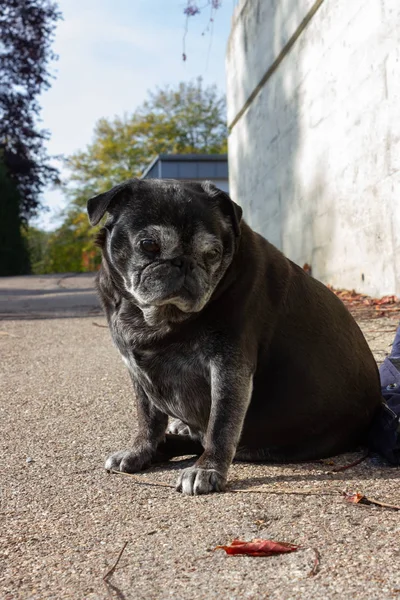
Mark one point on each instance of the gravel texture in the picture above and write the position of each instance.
(66, 402)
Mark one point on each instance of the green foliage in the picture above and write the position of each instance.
(187, 119)
(14, 259)
(36, 242)
(71, 248)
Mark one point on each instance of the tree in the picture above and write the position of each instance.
(26, 33)
(14, 258)
(71, 248)
(187, 119)
(37, 244)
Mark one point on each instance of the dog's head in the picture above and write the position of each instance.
(169, 241)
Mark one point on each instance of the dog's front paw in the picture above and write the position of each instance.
(129, 461)
(195, 481)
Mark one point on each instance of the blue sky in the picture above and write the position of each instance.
(110, 53)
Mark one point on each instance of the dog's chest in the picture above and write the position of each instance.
(176, 379)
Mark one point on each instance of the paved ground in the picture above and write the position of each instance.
(47, 296)
(66, 403)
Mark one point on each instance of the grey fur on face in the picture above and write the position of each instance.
(251, 357)
(183, 274)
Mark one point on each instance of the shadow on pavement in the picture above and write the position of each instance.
(48, 296)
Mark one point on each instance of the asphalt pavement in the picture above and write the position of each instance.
(66, 402)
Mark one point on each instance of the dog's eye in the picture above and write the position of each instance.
(150, 246)
(213, 253)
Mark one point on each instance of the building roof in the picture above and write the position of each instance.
(188, 166)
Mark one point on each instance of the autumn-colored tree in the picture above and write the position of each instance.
(189, 118)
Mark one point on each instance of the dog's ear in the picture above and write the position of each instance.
(98, 205)
(227, 205)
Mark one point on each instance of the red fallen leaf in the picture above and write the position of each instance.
(258, 547)
(354, 498)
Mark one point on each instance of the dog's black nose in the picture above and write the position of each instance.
(183, 262)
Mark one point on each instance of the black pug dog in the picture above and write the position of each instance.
(253, 358)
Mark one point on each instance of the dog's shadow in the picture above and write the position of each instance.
(372, 468)
(368, 470)
(174, 464)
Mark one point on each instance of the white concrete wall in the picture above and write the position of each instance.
(315, 159)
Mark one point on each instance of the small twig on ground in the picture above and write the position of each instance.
(111, 571)
(358, 498)
(99, 325)
(378, 503)
(349, 466)
(316, 565)
(285, 492)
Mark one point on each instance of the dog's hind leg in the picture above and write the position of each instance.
(179, 428)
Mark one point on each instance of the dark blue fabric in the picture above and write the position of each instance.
(396, 345)
(385, 431)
